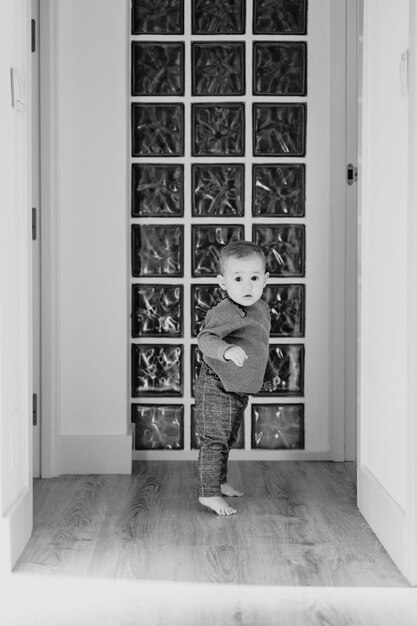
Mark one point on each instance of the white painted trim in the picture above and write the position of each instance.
(410, 568)
(36, 250)
(50, 296)
(383, 514)
(15, 530)
(337, 229)
(351, 229)
(97, 454)
(235, 455)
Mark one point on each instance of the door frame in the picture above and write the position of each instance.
(343, 297)
(344, 233)
(36, 301)
(50, 313)
(351, 229)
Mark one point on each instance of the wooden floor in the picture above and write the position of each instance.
(297, 527)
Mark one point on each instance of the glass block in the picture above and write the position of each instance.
(287, 306)
(207, 242)
(195, 437)
(157, 310)
(157, 250)
(218, 16)
(279, 69)
(218, 68)
(157, 370)
(218, 190)
(279, 129)
(196, 363)
(218, 129)
(278, 190)
(158, 426)
(284, 248)
(165, 17)
(278, 426)
(157, 190)
(280, 17)
(157, 69)
(203, 298)
(157, 130)
(288, 360)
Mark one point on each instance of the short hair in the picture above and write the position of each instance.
(239, 250)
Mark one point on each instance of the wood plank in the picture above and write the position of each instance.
(298, 524)
(66, 526)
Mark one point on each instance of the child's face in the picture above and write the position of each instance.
(244, 279)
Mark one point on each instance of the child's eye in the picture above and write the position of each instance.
(238, 279)
(255, 278)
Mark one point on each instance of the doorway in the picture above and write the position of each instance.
(315, 293)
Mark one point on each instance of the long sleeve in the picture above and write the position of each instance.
(211, 337)
(227, 324)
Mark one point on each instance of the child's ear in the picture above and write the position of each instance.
(221, 281)
(266, 278)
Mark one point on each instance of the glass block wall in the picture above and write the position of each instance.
(218, 153)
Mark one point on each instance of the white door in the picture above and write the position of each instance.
(387, 473)
(263, 159)
(15, 282)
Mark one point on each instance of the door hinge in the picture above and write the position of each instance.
(33, 36)
(35, 409)
(352, 174)
(34, 224)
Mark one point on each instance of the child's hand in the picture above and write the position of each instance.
(271, 385)
(236, 354)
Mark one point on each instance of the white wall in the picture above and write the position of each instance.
(92, 209)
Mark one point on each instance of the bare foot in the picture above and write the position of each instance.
(228, 490)
(218, 505)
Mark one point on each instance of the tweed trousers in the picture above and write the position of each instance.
(218, 415)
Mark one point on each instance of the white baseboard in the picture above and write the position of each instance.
(235, 455)
(15, 530)
(384, 515)
(97, 454)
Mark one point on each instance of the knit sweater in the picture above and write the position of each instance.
(226, 324)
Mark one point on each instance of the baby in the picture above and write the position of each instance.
(235, 345)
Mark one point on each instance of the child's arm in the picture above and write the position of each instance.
(211, 339)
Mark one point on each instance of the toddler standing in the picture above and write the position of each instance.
(235, 345)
